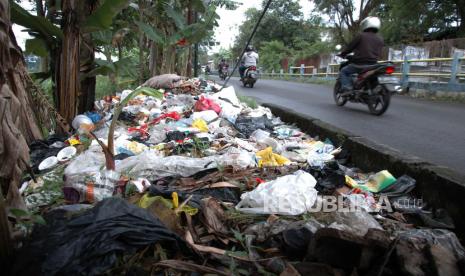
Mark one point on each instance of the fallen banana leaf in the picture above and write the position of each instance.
(213, 217)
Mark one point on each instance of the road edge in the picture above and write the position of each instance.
(438, 185)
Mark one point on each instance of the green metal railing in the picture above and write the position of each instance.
(452, 84)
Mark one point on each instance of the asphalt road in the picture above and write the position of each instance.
(434, 131)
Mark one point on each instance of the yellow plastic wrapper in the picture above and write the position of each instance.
(269, 159)
(73, 142)
(136, 147)
(200, 124)
(146, 200)
(350, 182)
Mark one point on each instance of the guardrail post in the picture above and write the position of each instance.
(281, 72)
(454, 69)
(302, 70)
(314, 72)
(405, 72)
(290, 69)
(328, 70)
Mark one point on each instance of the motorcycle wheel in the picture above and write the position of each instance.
(340, 101)
(379, 103)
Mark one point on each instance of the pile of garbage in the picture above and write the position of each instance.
(187, 178)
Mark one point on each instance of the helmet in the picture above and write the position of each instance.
(370, 22)
(222, 60)
(249, 48)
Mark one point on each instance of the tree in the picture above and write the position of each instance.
(271, 54)
(343, 14)
(406, 21)
(282, 22)
(17, 125)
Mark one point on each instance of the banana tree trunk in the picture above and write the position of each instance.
(17, 126)
(68, 86)
(87, 56)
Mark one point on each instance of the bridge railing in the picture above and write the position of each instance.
(445, 75)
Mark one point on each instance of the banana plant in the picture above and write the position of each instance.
(108, 149)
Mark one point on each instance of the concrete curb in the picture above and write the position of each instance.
(437, 185)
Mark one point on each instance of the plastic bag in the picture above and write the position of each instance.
(247, 125)
(157, 134)
(269, 159)
(92, 242)
(259, 135)
(200, 125)
(375, 183)
(207, 104)
(149, 165)
(403, 185)
(207, 115)
(357, 223)
(90, 187)
(239, 159)
(83, 124)
(292, 194)
(228, 95)
(315, 159)
(445, 238)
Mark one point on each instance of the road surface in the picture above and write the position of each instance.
(434, 131)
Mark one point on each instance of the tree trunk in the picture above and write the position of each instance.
(68, 87)
(461, 13)
(17, 126)
(153, 59)
(190, 20)
(87, 57)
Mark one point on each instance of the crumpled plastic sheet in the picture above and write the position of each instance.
(443, 237)
(90, 243)
(291, 194)
(151, 166)
(247, 125)
(356, 223)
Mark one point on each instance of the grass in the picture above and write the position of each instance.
(250, 102)
(317, 80)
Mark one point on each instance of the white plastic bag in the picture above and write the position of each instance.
(207, 115)
(150, 165)
(292, 194)
(315, 159)
(239, 159)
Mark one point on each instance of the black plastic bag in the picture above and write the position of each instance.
(328, 179)
(403, 185)
(90, 243)
(247, 125)
(42, 149)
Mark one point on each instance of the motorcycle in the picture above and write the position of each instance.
(367, 89)
(250, 76)
(224, 72)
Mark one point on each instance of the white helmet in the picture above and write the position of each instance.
(370, 22)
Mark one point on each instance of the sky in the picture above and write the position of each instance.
(231, 20)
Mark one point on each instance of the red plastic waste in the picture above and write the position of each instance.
(173, 115)
(204, 104)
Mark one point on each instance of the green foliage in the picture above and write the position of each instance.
(102, 18)
(38, 26)
(415, 21)
(271, 54)
(36, 46)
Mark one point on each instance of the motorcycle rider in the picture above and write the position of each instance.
(250, 58)
(221, 65)
(366, 47)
